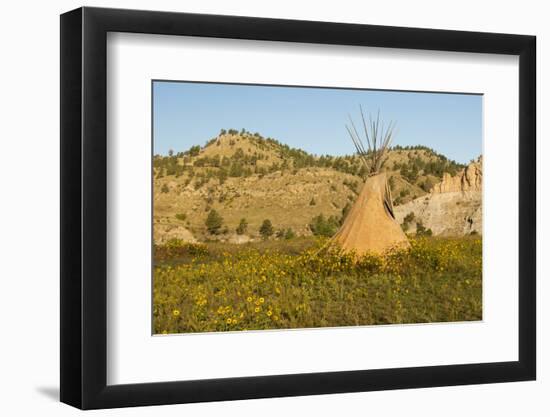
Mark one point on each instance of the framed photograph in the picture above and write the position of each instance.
(258, 208)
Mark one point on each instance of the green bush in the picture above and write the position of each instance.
(289, 234)
(243, 226)
(266, 229)
(177, 248)
(422, 231)
(213, 222)
(320, 226)
(409, 217)
(194, 150)
(345, 212)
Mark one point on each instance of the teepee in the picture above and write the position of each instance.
(370, 226)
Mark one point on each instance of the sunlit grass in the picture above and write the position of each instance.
(291, 284)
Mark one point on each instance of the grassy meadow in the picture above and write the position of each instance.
(284, 284)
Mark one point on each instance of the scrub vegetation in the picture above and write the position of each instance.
(301, 283)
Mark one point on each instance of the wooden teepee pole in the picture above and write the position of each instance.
(378, 137)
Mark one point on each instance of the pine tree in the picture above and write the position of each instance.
(266, 229)
(213, 222)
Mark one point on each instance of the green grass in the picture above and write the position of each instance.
(290, 284)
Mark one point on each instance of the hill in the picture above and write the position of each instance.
(242, 175)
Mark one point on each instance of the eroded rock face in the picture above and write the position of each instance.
(469, 179)
(446, 214)
(453, 207)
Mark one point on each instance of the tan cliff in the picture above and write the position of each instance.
(452, 208)
(469, 179)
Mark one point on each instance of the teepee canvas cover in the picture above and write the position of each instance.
(370, 225)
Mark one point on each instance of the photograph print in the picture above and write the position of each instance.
(289, 207)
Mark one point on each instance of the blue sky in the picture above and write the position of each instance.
(313, 119)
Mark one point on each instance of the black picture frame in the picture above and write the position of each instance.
(84, 207)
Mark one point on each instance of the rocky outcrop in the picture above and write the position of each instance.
(453, 207)
(446, 214)
(469, 179)
(163, 233)
(240, 239)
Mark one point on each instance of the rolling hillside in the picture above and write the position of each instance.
(240, 175)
